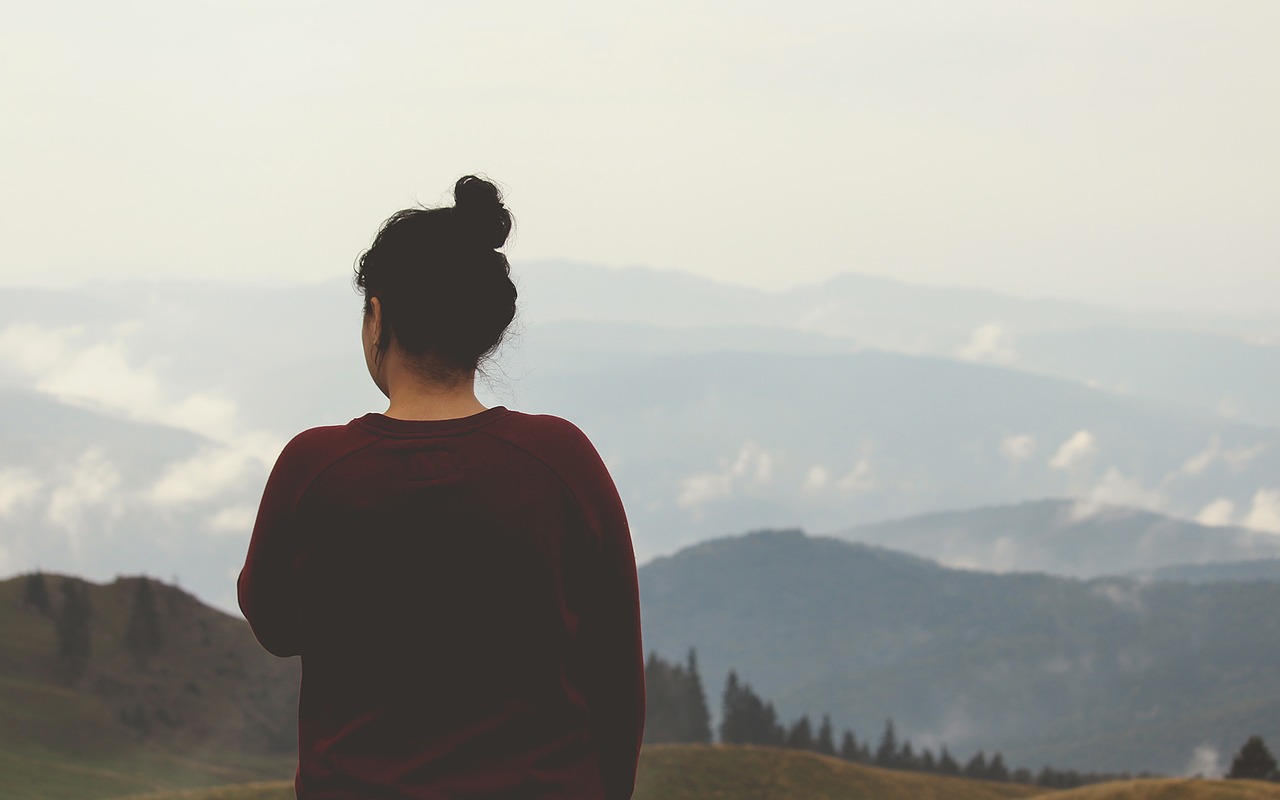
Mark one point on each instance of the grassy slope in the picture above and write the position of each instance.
(201, 713)
(1173, 789)
(691, 772)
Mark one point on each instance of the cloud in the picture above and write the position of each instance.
(18, 487)
(1017, 447)
(1205, 762)
(1236, 458)
(752, 467)
(102, 373)
(989, 343)
(1117, 489)
(1127, 596)
(859, 479)
(817, 479)
(1219, 512)
(234, 520)
(89, 486)
(1265, 513)
(214, 470)
(1075, 452)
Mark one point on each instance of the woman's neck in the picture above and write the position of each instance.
(415, 396)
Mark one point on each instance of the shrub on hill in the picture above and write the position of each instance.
(1254, 762)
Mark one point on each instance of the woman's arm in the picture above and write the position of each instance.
(269, 586)
(609, 633)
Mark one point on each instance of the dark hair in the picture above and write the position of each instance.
(445, 290)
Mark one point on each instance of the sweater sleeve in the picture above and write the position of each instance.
(269, 586)
(609, 632)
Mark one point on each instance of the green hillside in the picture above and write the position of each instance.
(207, 707)
(1109, 675)
(693, 772)
(1174, 789)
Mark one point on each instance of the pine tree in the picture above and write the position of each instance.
(947, 765)
(699, 727)
(800, 736)
(887, 752)
(73, 625)
(907, 756)
(35, 594)
(927, 762)
(996, 770)
(825, 743)
(745, 718)
(142, 634)
(1254, 762)
(977, 766)
(849, 747)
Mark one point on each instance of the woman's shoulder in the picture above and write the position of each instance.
(316, 443)
(544, 435)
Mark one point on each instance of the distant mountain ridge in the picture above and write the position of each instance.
(718, 408)
(1110, 675)
(1067, 537)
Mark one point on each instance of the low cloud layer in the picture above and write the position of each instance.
(752, 467)
(102, 373)
(990, 343)
(1076, 452)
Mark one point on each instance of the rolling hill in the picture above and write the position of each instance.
(208, 707)
(1108, 675)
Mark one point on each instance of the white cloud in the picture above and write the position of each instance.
(1218, 512)
(214, 470)
(102, 373)
(1205, 762)
(859, 479)
(989, 343)
(1017, 447)
(1236, 458)
(89, 486)
(1075, 452)
(1127, 596)
(1117, 489)
(235, 520)
(698, 490)
(1201, 461)
(18, 487)
(1265, 513)
(817, 479)
(752, 467)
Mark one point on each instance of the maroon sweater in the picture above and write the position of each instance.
(463, 596)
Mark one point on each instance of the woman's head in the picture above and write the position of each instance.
(444, 291)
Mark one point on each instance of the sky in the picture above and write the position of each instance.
(1121, 153)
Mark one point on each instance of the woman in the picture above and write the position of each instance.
(459, 580)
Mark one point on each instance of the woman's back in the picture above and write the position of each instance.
(459, 581)
(462, 588)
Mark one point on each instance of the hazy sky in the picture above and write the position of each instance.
(1116, 150)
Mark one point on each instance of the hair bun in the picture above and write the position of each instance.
(481, 214)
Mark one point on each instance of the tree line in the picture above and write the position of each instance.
(72, 619)
(677, 711)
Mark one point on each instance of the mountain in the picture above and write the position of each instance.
(1067, 537)
(703, 444)
(201, 704)
(1265, 569)
(1105, 675)
(718, 408)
